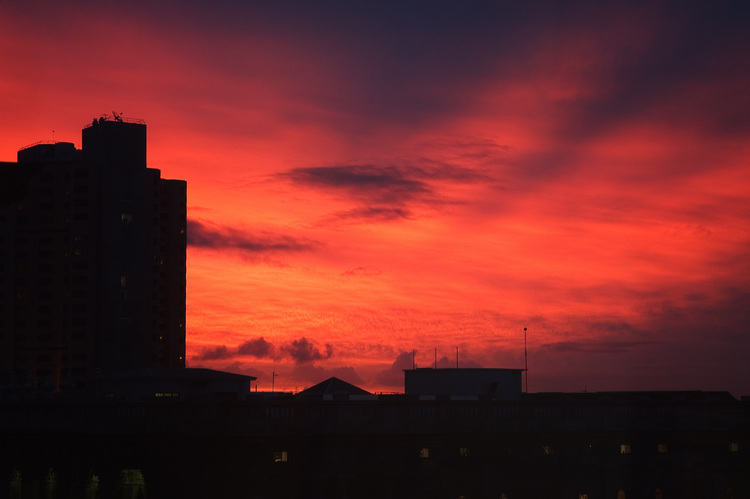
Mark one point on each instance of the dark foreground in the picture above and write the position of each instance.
(689, 445)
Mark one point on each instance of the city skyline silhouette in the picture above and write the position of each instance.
(368, 182)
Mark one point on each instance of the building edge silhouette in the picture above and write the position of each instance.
(93, 260)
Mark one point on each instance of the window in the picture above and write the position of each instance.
(424, 453)
(734, 447)
(280, 456)
(662, 448)
(625, 449)
(547, 450)
(463, 452)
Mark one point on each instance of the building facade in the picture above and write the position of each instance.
(92, 260)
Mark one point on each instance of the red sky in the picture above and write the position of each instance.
(366, 179)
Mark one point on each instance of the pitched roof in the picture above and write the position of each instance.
(334, 386)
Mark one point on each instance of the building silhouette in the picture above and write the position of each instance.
(92, 260)
(206, 434)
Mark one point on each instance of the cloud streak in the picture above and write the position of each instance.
(202, 235)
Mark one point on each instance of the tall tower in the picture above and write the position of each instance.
(93, 259)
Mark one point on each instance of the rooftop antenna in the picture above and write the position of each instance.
(273, 379)
(413, 359)
(117, 116)
(456, 357)
(435, 358)
(53, 136)
(525, 360)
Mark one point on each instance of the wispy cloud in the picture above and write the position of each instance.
(374, 214)
(362, 271)
(385, 185)
(202, 235)
(387, 193)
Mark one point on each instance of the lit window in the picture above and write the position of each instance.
(734, 447)
(127, 218)
(662, 448)
(123, 280)
(463, 452)
(280, 456)
(547, 450)
(625, 449)
(424, 452)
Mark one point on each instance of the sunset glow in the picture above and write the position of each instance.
(371, 179)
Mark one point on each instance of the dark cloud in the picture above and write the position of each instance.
(302, 351)
(381, 184)
(258, 347)
(214, 353)
(203, 236)
(386, 193)
(375, 214)
(394, 375)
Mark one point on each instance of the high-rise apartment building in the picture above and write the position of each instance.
(92, 260)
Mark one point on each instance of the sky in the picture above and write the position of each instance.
(378, 185)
